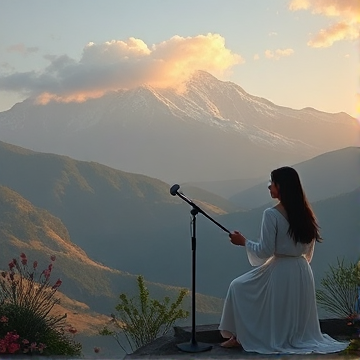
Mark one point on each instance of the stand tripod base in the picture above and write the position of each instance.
(194, 347)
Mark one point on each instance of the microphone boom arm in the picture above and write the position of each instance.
(174, 191)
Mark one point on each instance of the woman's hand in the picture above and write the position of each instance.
(237, 239)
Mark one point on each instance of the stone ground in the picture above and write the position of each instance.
(165, 347)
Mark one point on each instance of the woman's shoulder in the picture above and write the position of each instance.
(275, 212)
(269, 212)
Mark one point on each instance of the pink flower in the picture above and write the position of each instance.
(72, 330)
(11, 336)
(4, 319)
(25, 341)
(11, 265)
(53, 257)
(50, 267)
(57, 284)
(13, 347)
(33, 346)
(24, 261)
(35, 264)
(96, 349)
(23, 256)
(46, 274)
(41, 347)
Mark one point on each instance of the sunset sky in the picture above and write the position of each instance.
(296, 53)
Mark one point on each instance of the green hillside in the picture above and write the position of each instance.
(323, 176)
(37, 233)
(131, 223)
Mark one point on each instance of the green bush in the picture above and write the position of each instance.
(340, 289)
(142, 319)
(341, 296)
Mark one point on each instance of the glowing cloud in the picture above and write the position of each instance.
(124, 64)
(347, 28)
(277, 54)
(339, 31)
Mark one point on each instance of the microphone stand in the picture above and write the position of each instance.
(193, 346)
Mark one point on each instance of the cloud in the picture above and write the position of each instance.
(346, 28)
(120, 64)
(22, 49)
(278, 53)
(336, 32)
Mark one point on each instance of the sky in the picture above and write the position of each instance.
(295, 53)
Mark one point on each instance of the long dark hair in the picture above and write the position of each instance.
(303, 226)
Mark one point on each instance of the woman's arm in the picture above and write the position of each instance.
(259, 252)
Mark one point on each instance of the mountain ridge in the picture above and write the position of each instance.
(37, 233)
(132, 226)
(314, 173)
(167, 133)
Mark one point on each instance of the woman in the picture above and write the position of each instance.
(272, 309)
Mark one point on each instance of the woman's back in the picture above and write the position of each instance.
(285, 244)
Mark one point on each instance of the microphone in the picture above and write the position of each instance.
(174, 189)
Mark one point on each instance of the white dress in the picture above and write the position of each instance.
(272, 308)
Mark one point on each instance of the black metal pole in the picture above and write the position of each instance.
(193, 346)
(193, 282)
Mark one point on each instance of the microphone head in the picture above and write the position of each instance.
(174, 189)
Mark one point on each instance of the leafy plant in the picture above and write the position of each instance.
(27, 320)
(142, 319)
(340, 292)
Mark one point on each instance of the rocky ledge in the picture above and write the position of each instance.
(165, 347)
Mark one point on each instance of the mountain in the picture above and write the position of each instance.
(227, 188)
(131, 223)
(89, 290)
(90, 285)
(208, 201)
(323, 176)
(106, 211)
(210, 130)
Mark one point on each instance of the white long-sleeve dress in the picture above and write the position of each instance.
(272, 308)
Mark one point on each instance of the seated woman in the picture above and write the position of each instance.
(272, 308)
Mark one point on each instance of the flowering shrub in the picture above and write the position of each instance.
(11, 344)
(27, 322)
